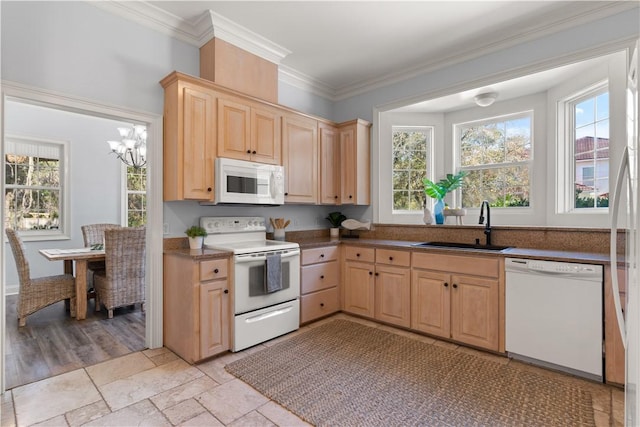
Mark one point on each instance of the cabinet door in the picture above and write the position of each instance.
(300, 154)
(266, 140)
(234, 129)
(431, 303)
(329, 165)
(393, 295)
(474, 311)
(198, 144)
(348, 169)
(613, 348)
(214, 318)
(359, 288)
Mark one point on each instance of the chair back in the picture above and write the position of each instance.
(93, 234)
(125, 252)
(22, 264)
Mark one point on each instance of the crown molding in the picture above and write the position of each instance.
(543, 27)
(211, 24)
(305, 82)
(207, 26)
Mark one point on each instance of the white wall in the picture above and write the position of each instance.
(541, 53)
(76, 48)
(95, 176)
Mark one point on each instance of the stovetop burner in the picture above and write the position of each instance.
(241, 235)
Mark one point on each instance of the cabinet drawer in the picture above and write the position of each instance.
(473, 265)
(318, 304)
(393, 257)
(358, 253)
(319, 276)
(213, 269)
(313, 256)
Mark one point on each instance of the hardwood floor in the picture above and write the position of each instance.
(53, 343)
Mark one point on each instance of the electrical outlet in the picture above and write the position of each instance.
(165, 228)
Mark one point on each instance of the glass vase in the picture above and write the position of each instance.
(438, 213)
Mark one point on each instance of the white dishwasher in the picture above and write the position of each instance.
(554, 315)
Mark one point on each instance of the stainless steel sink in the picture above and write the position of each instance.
(453, 245)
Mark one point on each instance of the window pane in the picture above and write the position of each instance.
(484, 148)
(585, 112)
(33, 193)
(410, 148)
(136, 196)
(591, 152)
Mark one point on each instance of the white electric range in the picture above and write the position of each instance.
(259, 315)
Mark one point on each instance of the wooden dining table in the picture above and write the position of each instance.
(81, 257)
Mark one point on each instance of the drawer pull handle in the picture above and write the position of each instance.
(216, 271)
(357, 255)
(322, 277)
(455, 286)
(248, 151)
(371, 273)
(321, 304)
(446, 285)
(377, 274)
(209, 189)
(321, 255)
(390, 258)
(226, 291)
(253, 152)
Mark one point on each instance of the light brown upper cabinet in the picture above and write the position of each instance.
(329, 164)
(355, 174)
(247, 131)
(189, 140)
(300, 158)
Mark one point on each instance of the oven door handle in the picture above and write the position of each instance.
(269, 314)
(251, 258)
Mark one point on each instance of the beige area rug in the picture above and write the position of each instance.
(343, 373)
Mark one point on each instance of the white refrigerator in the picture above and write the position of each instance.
(624, 213)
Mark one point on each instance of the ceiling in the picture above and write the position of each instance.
(341, 48)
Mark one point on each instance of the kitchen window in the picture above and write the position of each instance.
(411, 153)
(35, 181)
(497, 155)
(588, 143)
(135, 196)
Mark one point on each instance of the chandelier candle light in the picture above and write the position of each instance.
(132, 150)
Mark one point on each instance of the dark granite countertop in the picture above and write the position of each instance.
(543, 254)
(198, 254)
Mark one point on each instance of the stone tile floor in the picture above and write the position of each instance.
(157, 388)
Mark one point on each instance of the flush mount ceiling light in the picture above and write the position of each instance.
(485, 99)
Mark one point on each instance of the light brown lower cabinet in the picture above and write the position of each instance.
(377, 284)
(196, 306)
(457, 297)
(613, 347)
(319, 282)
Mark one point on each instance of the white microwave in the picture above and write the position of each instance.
(239, 181)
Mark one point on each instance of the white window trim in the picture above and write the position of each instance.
(557, 214)
(429, 162)
(534, 214)
(383, 168)
(566, 172)
(62, 233)
(530, 113)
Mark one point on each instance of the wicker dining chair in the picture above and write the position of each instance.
(122, 281)
(42, 291)
(93, 234)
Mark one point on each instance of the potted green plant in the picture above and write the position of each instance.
(438, 190)
(335, 218)
(196, 236)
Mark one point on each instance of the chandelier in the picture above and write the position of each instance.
(132, 150)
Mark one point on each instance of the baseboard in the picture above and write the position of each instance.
(11, 290)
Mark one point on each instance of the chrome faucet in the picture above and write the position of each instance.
(487, 228)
